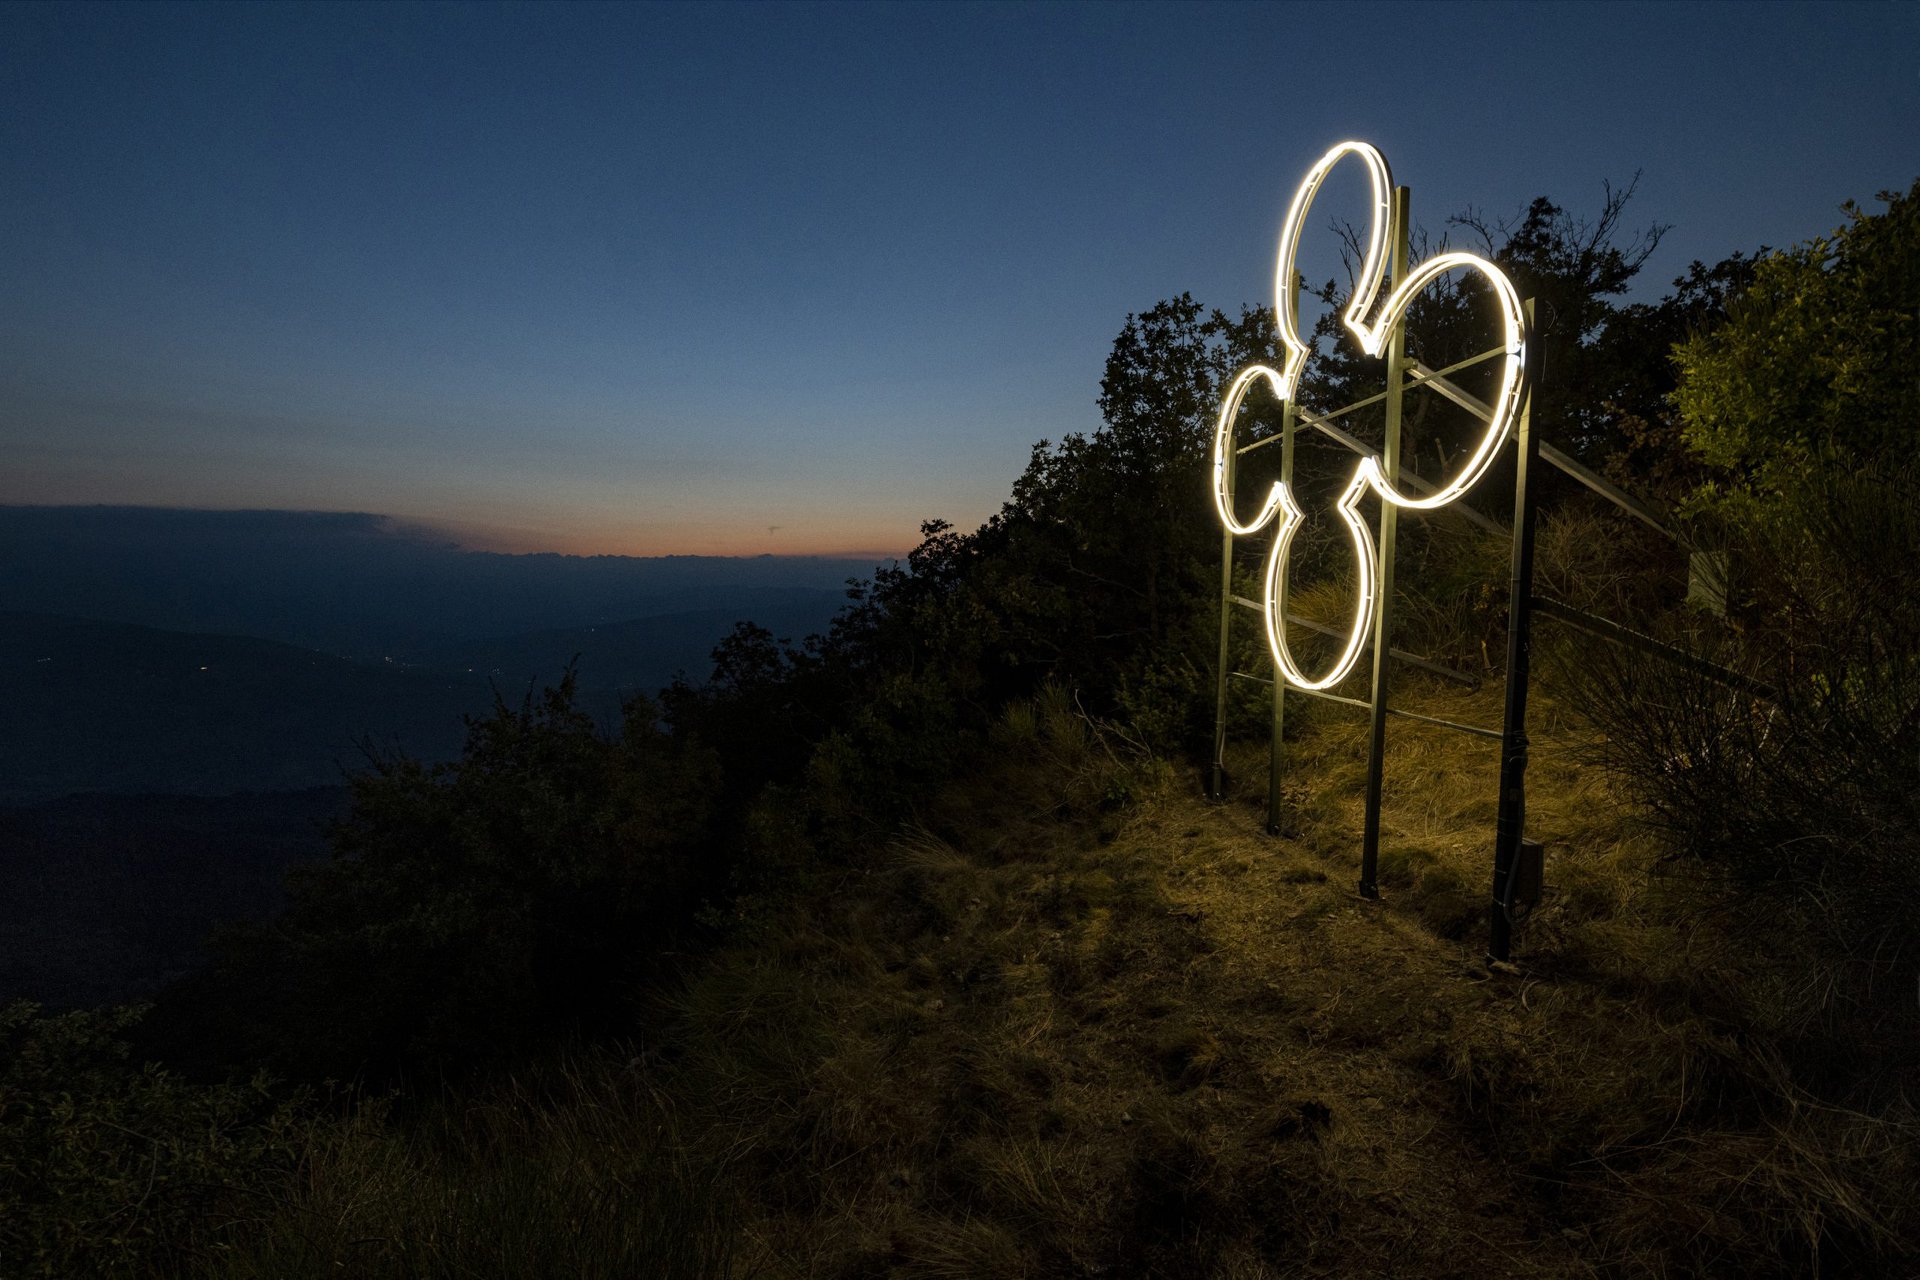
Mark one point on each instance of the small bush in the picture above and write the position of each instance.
(1793, 785)
(471, 909)
(112, 1169)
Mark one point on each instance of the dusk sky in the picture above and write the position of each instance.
(730, 280)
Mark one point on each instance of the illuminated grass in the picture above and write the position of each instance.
(1060, 1038)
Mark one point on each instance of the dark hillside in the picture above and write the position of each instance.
(913, 950)
(103, 898)
(1079, 1021)
(638, 656)
(100, 706)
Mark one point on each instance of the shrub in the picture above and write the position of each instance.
(111, 1169)
(471, 909)
(1796, 787)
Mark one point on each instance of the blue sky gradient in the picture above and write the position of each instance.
(732, 280)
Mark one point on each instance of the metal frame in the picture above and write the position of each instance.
(1404, 375)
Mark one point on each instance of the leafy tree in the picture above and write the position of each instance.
(1815, 365)
(1608, 372)
(475, 907)
(896, 678)
(1113, 525)
(1650, 456)
(1574, 268)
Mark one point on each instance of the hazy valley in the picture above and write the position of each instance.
(188, 691)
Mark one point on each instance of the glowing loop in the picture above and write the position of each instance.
(1368, 473)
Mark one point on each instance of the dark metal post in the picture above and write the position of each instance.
(1217, 787)
(1511, 820)
(1275, 824)
(1389, 531)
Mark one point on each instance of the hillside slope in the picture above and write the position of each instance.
(1078, 1021)
(107, 706)
(1057, 1035)
(640, 655)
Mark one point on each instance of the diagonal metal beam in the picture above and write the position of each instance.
(1407, 477)
(1344, 701)
(1611, 492)
(1626, 637)
(1378, 396)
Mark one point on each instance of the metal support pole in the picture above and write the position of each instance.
(1217, 784)
(1275, 824)
(1389, 529)
(1511, 820)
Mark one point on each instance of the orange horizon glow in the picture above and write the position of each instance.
(523, 542)
(723, 540)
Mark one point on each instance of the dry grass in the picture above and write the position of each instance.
(1080, 1022)
(574, 1170)
(1058, 1035)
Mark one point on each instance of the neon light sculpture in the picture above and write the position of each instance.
(1368, 472)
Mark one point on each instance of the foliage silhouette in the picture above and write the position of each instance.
(1799, 805)
(471, 909)
(1814, 366)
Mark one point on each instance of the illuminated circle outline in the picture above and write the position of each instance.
(1363, 558)
(1368, 473)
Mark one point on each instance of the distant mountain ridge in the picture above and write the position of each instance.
(356, 584)
(638, 656)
